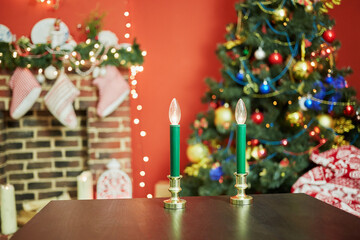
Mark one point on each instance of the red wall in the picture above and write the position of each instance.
(180, 38)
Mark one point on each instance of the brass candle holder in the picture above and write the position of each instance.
(174, 202)
(241, 198)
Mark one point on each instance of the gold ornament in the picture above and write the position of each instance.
(197, 152)
(309, 8)
(302, 69)
(296, 118)
(223, 116)
(325, 120)
(193, 170)
(342, 125)
(279, 14)
(339, 141)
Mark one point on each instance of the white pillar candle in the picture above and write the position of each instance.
(8, 209)
(85, 186)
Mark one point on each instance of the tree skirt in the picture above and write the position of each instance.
(336, 181)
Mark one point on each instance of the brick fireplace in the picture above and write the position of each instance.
(42, 158)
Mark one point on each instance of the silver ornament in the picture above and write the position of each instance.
(302, 103)
(51, 72)
(40, 77)
(259, 54)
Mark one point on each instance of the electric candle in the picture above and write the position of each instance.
(240, 116)
(8, 209)
(85, 186)
(174, 116)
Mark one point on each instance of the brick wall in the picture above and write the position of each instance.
(42, 158)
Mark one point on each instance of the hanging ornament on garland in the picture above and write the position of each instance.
(51, 72)
(296, 118)
(302, 103)
(308, 103)
(329, 35)
(279, 14)
(325, 120)
(309, 8)
(302, 68)
(349, 111)
(260, 54)
(329, 79)
(261, 152)
(255, 142)
(264, 88)
(257, 117)
(197, 152)
(216, 172)
(275, 58)
(240, 75)
(223, 117)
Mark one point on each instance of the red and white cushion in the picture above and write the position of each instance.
(60, 98)
(336, 181)
(113, 89)
(25, 91)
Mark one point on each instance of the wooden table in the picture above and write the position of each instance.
(277, 216)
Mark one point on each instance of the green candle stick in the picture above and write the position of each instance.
(174, 150)
(174, 116)
(240, 116)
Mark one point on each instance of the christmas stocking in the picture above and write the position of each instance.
(113, 89)
(25, 92)
(60, 98)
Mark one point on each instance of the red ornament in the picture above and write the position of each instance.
(284, 142)
(329, 36)
(275, 58)
(349, 110)
(257, 117)
(284, 162)
(254, 142)
(213, 105)
(262, 153)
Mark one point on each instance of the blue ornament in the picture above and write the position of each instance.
(240, 75)
(264, 88)
(216, 173)
(339, 82)
(308, 103)
(329, 79)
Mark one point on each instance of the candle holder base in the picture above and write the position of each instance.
(241, 198)
(174, 202)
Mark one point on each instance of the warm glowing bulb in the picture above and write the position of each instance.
(105, 57)
(142, 173)
(116, 55)
(136, 121)
(128, 25)
(146, 159)
(82, 62)
(113, 50)
(127, 35)
(174, 112)
(88, 41)
(69, 69)
(91, 53)
(126, 14)
(142, 184)
(138, 107)
(149, 195)
(143, 133)
(144, 53)
(240, 112)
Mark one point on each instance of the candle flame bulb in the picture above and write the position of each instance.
(174, 112)
(240, 112)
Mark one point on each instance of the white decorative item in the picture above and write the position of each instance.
(5, 34)
(8, 209)
(85, 186)
(40, 77)
(114, 183)
(103, 71)
(108, 38)
(96, 72)
(51, 72)
(44, 31)
(124, 45)
(260, 54)
(69, 46)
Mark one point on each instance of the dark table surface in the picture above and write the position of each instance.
(275, 216)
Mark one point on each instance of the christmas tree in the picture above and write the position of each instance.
(279, 57)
